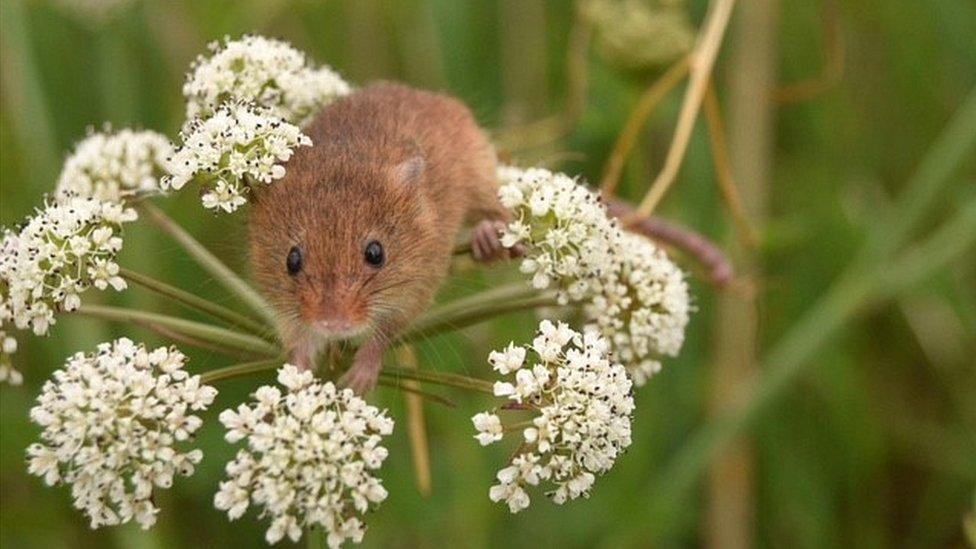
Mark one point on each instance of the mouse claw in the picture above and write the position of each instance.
(486, 243)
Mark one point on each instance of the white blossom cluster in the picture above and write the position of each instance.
(8, 344)
(584, 407)
(268, 72)
(310, 458)
(112, 166)
(115, 422)
(643, 308)
(240, 144)
(59, 253)
(568, 238)
(631, 292)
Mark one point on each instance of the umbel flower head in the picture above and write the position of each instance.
(310, 458)
(239, 145)
(568, 237)
(112, 166)
(8, 345)
(642, 307)
(583, 406)
(60, 252)
(116, 424)
(268, 72)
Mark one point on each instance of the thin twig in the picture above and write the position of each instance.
(425, 395)
(835, 47)
(195, 302)
(416, 423)
(702, 61)
(209, 262)
(238, 370)
(635, 121)
(699, 248)
(723, 168)
(200, 330)
(179, 337)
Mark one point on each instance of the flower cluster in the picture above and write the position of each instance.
(111, 166)
(569, 239)
(584, 407)
(114, 423)
(267, 72)
(239, 144)
(643, 308)
(62, 250)
(310, 458)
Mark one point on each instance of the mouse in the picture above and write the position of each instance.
(355, 239)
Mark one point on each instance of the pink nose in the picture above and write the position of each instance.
(335, 325)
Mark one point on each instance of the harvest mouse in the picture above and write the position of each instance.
(358, 235)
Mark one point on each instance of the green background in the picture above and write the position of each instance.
(872, 445)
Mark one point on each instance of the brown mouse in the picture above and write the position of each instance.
(358, 235)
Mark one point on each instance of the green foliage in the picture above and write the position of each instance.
(871, 441)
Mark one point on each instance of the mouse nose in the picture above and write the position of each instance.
(335, 325)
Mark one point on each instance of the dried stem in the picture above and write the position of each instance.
(723, 168)
(635, 121)
(416, 423)
(702, 61)
(830, 75)
(699, 248)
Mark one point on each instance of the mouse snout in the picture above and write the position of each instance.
(334, 314)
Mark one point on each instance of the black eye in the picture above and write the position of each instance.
(374, 254)
(294, 260)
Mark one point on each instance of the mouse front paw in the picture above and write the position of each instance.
(486, 243)
(365, 370)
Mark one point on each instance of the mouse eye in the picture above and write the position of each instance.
(294, 260)
(374, 254)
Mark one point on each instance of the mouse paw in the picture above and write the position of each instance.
(486, 243)
(364, 372)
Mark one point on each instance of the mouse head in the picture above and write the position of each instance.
(339, 246)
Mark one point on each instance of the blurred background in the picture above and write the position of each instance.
(825, 398)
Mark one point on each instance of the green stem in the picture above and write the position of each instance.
(209, 262)
(196, 302)
(238, 370)
(479, 307)
(395, 384)
(438, 378)
(199, 330)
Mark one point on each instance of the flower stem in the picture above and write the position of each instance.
(471, 310)
(438, 378)
(242, 369)
(395, 384)
(206, 332)
(195, 302)
(209, 262)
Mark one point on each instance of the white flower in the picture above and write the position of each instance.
(113, 422)
(8, 346)
(489, 428)
(642, 307)
(111, 166)
(271, 73)
(59, 253)
(583, 404)
(568, 237)
(310, 458)
(239, 145)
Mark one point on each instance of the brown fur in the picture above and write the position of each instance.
(349, 188)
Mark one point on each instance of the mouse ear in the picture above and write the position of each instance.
(410, 171)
